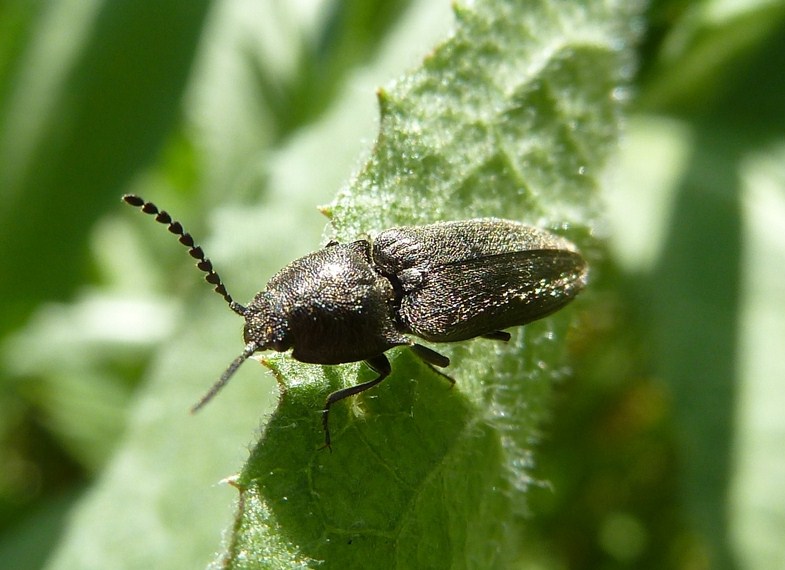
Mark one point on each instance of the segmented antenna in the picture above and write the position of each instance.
(188, 241)
(248, 351)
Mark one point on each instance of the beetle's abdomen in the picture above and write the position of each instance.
(460, 280)
(463, 300)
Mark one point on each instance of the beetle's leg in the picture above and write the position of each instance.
(430, 356)
(378, 363)
(497, 335)
(432, 359)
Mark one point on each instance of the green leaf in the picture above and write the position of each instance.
(513, 116)
(756, 495)
(703, 226)
(704, 291)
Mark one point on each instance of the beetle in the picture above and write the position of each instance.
(442, 282)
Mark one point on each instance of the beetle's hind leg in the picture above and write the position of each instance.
(432, 359)
(497, 335)
(378, 363)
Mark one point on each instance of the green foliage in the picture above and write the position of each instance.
(663, 445)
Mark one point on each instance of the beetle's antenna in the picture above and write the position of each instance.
(196, 252)
(249, 349)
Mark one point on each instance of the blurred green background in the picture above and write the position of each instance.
(666, 447)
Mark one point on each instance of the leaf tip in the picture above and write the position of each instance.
(326, 210)
(384, 99)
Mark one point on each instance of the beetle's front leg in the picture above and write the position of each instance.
(381, 365)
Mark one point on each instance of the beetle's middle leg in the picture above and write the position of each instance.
(497, 335)
(432, 359)
(378, 363)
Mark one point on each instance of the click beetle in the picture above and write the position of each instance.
(442, 282)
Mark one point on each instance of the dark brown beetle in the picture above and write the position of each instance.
(443, 282)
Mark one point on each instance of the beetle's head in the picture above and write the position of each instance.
(266, 326)
(265, 329)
